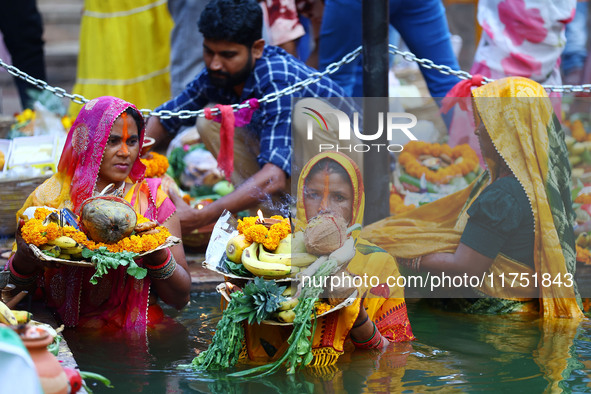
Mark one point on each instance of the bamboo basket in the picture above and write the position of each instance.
(198, 239)
(13, 194)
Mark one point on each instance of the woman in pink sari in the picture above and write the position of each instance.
(102, 148)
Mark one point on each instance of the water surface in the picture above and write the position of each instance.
(453, 353)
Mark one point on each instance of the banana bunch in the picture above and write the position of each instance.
(261, 262)
(285, 312)
(6, 315)
(63, 247)
(254, 265)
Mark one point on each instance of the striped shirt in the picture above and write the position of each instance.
(271, 123)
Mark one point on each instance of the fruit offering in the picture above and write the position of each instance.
(107, 219)
(268, 252)
(55, 237)
(325, 233)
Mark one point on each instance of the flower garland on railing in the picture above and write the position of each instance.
(462, 160)
(156, 166)
(36, 233)
(269, 237)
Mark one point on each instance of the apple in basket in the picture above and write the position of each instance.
(107, 219)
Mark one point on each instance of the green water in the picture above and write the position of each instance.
(452, 353)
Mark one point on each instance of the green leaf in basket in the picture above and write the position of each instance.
(105, 260)
(237, 269)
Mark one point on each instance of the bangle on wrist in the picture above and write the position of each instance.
(362, 323)
(155, 267)
(374, 342)
(20, 279)
(415, 264)
(164, 270)
(375, 329)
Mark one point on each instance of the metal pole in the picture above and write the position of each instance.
(376, 164)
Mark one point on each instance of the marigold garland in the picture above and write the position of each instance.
(322, 307)
(463, 156)
(254, 232)
(36, 233)
(155, 166)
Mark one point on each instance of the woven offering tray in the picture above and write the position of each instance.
(170, 241)
(221, 288)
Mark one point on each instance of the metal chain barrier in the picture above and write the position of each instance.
(185, 114)
(315, 77)
(429, 64)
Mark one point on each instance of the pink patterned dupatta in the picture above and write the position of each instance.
(118, 301)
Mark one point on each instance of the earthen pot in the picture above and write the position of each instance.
(51, 374)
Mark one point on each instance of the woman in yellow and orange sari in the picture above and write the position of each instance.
(519, 226)
(379, 315)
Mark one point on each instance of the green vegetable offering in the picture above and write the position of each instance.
(299, 352)
(105, 260)
(254, 303)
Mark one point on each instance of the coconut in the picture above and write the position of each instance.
(325, 233)
(107, 219)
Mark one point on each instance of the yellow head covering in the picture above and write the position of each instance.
(519, 119)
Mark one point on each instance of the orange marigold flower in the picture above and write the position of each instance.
(256, 233)
(466, 161)
(246, 222)
(41, 213)
(271, 241)
(280, 229)
(156, 166)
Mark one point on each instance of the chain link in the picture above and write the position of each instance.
(271, 97)
(185, 114)
(429, 64)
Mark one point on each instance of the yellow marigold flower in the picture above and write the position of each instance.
(52, 231)
(271, 241)
(33, 232)
(256, 233)
(408, 159)
(41, 213)
(141, 219)
(280, 229)
(246, 222)
(155, 166)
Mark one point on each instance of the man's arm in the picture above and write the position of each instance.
(267, 181)
(155, 130)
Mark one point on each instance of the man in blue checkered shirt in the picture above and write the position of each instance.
(239, 67)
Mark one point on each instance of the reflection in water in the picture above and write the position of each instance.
(453, 353)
